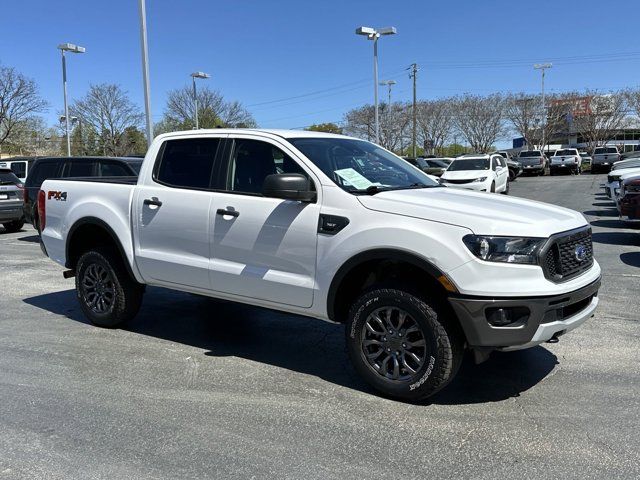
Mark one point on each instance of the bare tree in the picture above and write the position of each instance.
(602, 118)
(479, 119)
(394, 122)
(632, 97)
(213, 110)
(19, 100)
(109, 111)
(360, 122)
(524, 112)
(435, 122)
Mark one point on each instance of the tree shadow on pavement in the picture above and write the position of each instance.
(611, 212)
(631, 258)
(300, 344)
(616, 238)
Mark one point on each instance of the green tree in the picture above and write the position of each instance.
(325, 127)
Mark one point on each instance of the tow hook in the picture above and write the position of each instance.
(69, 273)
(555, 338)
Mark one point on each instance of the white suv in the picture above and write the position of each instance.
(483, 173)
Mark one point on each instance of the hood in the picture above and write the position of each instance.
(482, 213)
(625, 172)
(463, 174)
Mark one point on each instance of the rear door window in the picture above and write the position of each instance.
(43, 171)
(187, 163)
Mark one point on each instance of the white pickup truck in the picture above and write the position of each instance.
(567, 160)
(329, 227)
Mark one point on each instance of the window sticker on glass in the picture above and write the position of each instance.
(354, 178)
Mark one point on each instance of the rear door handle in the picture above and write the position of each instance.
(152, 201)
(222, 211)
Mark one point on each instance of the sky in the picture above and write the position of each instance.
(296, 63)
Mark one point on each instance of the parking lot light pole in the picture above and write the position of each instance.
(145, 69)
(195, 75)
(67, 47)
(373, 34)
(389, 84)
(543, 67)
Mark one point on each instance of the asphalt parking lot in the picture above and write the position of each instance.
(199, 388)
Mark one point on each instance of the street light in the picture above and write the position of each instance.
(67, 47)
(543, 67)
(373, 34)
(389, 84)
(195, 75)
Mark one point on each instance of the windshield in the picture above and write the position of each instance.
(8, 178)
(605, 150)
(531, 153)
(360, 167)
(469, 164)
(568, 151)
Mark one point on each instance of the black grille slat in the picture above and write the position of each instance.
(560, 262)
(457, 182)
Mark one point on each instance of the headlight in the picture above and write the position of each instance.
(481, 179)
(505, 249)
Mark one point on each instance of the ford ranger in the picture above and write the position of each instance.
(331, 227)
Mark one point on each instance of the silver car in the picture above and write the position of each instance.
(11, 193)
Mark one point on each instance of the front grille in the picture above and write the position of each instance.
(560, 259)
(457, 182)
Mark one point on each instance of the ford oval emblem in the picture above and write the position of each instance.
(580, 253)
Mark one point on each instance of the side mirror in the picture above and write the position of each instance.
(288, 186)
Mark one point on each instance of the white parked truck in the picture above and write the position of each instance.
(329, 227)
(567, 160)
(603, 158)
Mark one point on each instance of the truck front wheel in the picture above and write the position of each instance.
(107, 294)
(401, 345)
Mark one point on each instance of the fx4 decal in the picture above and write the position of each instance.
(59, 196)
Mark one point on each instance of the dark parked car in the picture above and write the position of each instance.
(630, 199)
(11, 215)
(66, 167)
(515, 167)
(432, 166)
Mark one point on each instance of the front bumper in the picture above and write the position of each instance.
(475, 186)
(549, 316)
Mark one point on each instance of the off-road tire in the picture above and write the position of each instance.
(442, 354)
(127, 293)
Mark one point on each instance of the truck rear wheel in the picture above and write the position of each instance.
(401, 345)
(106, 292)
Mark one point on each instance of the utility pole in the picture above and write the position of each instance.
(543, 67)
(413, 75)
